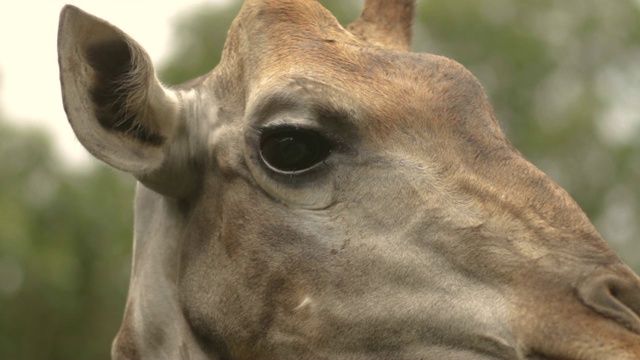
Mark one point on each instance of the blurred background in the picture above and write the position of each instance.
(563, 76)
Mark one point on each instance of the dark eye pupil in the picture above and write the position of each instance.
(293, 149)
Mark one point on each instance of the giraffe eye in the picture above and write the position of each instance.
(291, 150)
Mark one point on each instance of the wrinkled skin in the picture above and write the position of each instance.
(423, 234)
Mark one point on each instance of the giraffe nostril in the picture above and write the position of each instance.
(613, 297)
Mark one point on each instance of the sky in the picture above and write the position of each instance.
(29, 82)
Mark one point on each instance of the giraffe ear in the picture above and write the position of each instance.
(116, 106)
(386, 23)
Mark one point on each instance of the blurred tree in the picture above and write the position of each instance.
(65, 240)
(198, 40)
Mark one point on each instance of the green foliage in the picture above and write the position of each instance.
(65, 240)
(198, 42)
(560, 73)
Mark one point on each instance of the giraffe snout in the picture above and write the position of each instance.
(615, 297)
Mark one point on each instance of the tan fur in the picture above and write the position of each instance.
(386, 24)
(423, 235)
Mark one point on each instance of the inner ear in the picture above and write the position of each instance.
(118, 91)
(116, 106)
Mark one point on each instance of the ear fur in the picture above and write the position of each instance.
(116, 106)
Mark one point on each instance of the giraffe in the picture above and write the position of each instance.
(325, 193)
